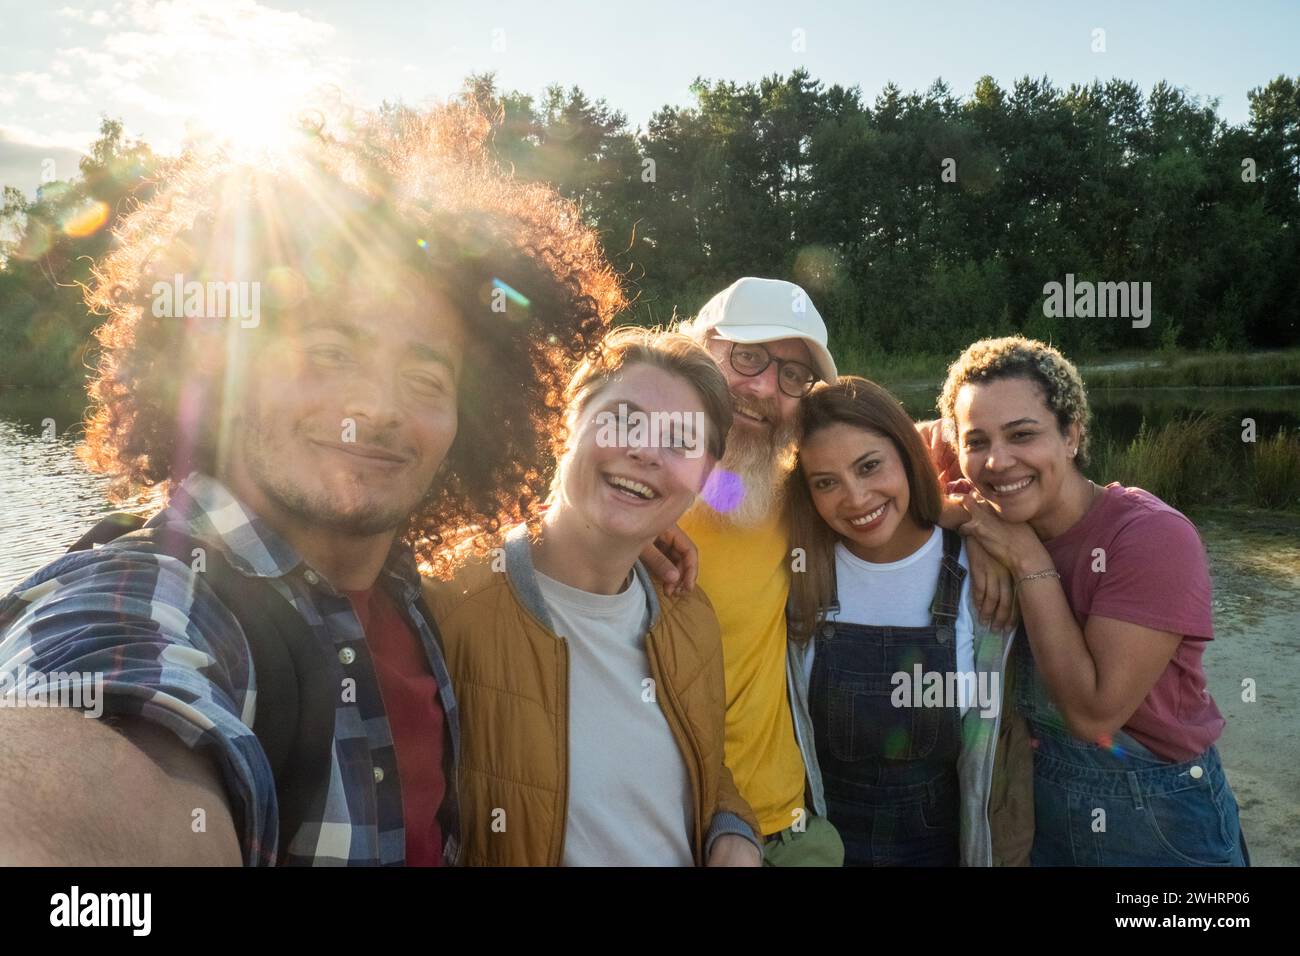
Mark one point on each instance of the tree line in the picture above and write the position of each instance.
(917, 221)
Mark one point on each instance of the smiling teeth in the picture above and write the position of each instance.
(1007, 489)
(747, 410)
(866, 519)
(644, 491)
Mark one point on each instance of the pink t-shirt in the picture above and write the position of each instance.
(1156, 575)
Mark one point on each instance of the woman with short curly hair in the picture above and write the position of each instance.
(1114, 590)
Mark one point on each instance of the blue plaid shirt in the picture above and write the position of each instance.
(171, 652)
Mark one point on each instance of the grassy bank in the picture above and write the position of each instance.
(1189, 452)
(1195, 369)
(1119, 370)
(1202, 460)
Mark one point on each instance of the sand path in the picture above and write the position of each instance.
(1255, 559)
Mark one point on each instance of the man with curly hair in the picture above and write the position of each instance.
(313, 456)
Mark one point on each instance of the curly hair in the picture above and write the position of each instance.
(1018, 357)
(403, 194)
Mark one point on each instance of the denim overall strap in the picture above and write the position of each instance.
(832, 608)
(947, 596)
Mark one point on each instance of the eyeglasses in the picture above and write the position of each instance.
(793, 378)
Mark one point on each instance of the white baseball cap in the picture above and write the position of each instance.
(764, 310)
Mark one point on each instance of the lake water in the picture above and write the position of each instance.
(48, 499)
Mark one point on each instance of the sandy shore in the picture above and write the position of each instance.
(1255, 559)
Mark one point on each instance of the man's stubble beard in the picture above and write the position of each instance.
(312, 509)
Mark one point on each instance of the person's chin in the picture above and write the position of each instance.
(619, 525)
(345, 505)
(749, 429)
(341, 487)
(363, 481)
(365, 519)
(1016, 512)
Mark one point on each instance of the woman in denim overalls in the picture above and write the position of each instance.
(906, 781)
(1114, 591)
(890, 773)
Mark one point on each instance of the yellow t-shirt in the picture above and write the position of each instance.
(746, 575)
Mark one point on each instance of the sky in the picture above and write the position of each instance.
(168, 67)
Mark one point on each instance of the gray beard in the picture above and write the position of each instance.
(763, 463)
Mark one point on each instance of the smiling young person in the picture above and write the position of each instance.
(310, 459)
(883, 608)
(592, 702)
(1115, 592)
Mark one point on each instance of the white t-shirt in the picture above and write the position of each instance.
(899, 594)
(630, 800)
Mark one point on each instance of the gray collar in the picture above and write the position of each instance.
(523, 576)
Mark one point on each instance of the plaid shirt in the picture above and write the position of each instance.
(170, 652)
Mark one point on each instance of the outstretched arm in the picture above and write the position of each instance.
(79, 792)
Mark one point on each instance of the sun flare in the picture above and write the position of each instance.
(252, 116)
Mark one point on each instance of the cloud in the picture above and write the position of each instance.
(191, 60)
(95, 18)
(25, 155)
(46, 88)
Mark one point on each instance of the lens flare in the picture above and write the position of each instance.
(518, 298)
(86, 219)
(1106, 742)
(723, 491)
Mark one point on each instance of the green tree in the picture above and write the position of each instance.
(45, 330)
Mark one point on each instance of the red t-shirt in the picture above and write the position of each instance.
(415, 719)
(1156, 575)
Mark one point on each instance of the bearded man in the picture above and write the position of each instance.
(770, 342)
